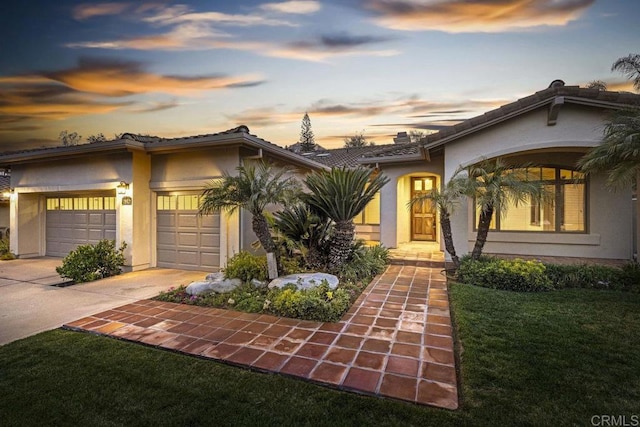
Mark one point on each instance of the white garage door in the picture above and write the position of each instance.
(75, 221)
(186, 240)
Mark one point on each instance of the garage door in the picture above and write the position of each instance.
(186, 240)
(75, 221)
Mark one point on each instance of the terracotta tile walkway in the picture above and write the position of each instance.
(395, 341)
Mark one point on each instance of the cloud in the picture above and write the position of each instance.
(90, 10)
(122, 78)
(463, 16)
(90, 87)
(293, 7)
(328, 46)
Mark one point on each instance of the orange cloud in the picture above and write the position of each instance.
(82, 90)
(114, 79)
(458, 16)
(89, 10)
(293, 7)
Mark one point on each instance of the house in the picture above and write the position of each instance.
(138, 189)
(551, 129)
(144, 190)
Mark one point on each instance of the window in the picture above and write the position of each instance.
(181, 202)
(81, 203)
(563, 211)
(370, 215)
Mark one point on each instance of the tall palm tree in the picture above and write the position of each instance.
(341, 194)
(256, 186)
(495, 186)
(446, 200)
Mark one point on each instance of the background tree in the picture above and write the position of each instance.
(67, 138)
(494, 185)
(357, 140)
(446, 200)
(597, 84)
(416, 135)
(96, 138)
(254, 188)
(307, 140)
(341, 194)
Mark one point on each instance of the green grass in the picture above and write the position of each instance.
(554, 358)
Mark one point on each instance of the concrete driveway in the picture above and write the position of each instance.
(30, 304)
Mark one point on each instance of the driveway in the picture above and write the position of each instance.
(29, 304)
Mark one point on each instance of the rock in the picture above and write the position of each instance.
(257, 283)
(305, 280)
(208, 286)
(215, 276)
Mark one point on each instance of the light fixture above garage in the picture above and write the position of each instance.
(122, 187)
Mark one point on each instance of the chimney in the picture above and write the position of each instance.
(402, 138)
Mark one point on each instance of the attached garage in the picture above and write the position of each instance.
(78, 220)
(186, 240)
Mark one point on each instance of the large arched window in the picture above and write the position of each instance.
(564, 211)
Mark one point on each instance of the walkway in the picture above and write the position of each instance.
(395, 341)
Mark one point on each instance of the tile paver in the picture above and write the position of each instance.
(395, 341)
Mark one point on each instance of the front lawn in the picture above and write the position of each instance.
(553, 358)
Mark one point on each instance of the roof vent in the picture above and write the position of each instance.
(556, 84)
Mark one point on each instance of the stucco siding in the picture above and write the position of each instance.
(528, 138)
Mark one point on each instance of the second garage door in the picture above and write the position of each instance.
(75, 221)
(186, 240)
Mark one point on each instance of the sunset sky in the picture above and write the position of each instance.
(374, 66)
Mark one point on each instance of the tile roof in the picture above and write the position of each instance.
(345, 156)
(155, 143)
(573, 94)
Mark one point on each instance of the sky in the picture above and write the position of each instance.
(378, 67)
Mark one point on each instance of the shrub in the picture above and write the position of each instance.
(513, 275)
(593, 276)
(365, 262)
(92, 262)
(5, 251)
(319, 303)
(246, 266)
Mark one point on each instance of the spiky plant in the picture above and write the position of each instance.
(341, 194)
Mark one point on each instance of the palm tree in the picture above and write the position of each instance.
(629, 65)
(619, 153)
(341, 194)
(495, 186)
(446, 200)
(254, 188)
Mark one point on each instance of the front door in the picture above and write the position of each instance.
(423, 216)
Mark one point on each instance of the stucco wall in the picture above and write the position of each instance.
(609, 214)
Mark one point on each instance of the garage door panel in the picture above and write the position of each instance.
(190, 258)
(166, 219)
(166, 256)
(80, 234)
(110, 219)
(188, 220)
(96, 218)
(166, 238)
(208, 240)
(111, 235)
(210, 222)
(188, 239)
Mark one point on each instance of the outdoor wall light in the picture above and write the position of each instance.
(122, 187)
(8, 194)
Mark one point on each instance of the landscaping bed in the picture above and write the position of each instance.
(320, 303)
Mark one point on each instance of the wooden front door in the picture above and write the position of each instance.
(423, 217)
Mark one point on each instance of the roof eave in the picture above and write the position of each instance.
(55, 153)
